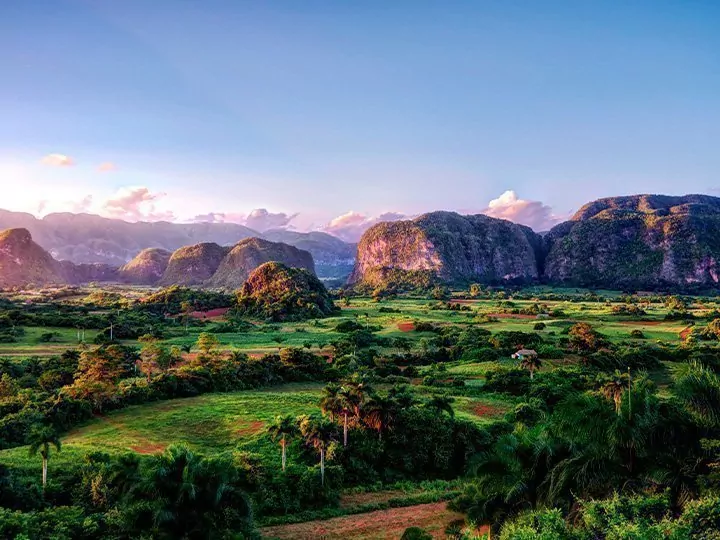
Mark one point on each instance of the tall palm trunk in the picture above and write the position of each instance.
(283, 444)
(532, 373)
(345, 429)
(44, 470)
(322, 466)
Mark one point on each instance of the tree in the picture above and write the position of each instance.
(475, 290)
(8, 386)
(379, 413)
(614, 387)
(154, 358)
(336, 401)
(442, 404)
(584, 338)
(41, 439)
(186, 308)
(699, 389)
(283, 428)
(208, 345)
(531, 363)
(192, 497)
(97, 375)
(319, 433)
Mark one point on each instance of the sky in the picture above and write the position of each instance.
(334, 115)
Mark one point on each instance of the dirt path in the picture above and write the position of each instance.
(382, 524)
(407, 326)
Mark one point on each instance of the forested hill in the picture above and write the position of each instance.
(641, 241)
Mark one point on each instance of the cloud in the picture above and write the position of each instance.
(107, 167)
(262, 220)
(351, 225)
(136, 204)
(259, 219)
(83, 205)
(58, 160)
(534, 214)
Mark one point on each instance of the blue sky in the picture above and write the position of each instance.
(319, 108)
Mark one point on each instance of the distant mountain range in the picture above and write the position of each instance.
(24, 263)
(87, 238)
(633, 242)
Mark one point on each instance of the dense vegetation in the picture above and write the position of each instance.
(611, 431)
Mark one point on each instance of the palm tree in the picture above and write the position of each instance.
(330, 401)
(442, 404)
(41, 438)
(699, 389)
(379, 413)
(284, 428)
(531, 363)
(192, 496)
(318, 433)
(613, 388)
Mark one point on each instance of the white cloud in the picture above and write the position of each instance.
(58, 160)
(259, 219)
(136, 204)
(534, 214)
(351, 225)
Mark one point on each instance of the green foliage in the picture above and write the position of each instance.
(278, 293)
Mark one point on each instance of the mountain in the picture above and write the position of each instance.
(87, 238)
(449, 247)
(279, 293)
(146, 268)
(193, 265)
(23, 262)
(250, 253)
(638, 241)
(333, 257)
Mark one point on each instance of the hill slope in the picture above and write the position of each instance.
(250, 253)
(193, 265)
(450, 247)
(277, 292)
(638, 241)
(23, 262)
(147, 267)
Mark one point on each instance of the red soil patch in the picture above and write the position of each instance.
(510, 316)
(641, 323)
(148, 448)
(380, 525)
(686, 332)
(483, 410)
(406, 326)
(251, 428)
(210, 314)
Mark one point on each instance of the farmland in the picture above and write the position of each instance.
(215, 384)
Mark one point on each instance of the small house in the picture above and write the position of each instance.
(525, 353)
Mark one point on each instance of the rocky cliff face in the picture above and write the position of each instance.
(146, 268)
(451, 247)
(249, 254)
(638, 241)
(23, 262)
(193, 265)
